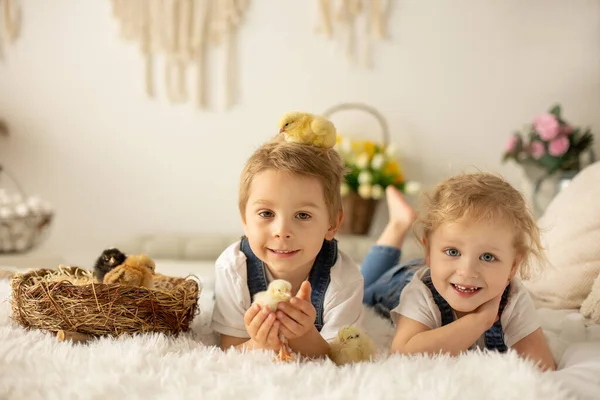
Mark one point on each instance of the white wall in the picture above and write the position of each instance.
(455, 80)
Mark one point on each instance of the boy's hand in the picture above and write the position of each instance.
(263, 327)
(488, 311)
(298, 316)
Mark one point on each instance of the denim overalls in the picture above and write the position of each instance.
(385, 278)
(319, 276)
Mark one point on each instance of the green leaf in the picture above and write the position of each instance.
(549, 163)
(556, 110)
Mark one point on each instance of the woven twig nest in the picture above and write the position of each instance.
(68, 298)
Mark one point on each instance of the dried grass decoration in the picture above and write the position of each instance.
(69, 299)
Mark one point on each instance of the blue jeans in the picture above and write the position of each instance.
(385, 277)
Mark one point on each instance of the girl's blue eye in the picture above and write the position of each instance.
(265, 214)
(302, 216)
(487, 257)
(452, 252)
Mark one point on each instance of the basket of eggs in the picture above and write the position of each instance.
(24, 220)
(122, 295)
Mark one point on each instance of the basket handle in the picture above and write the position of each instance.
(20, 190)
(363, 107)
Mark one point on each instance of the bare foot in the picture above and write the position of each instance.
(400, 211)
(401, 215)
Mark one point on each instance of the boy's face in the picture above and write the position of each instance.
(286, 220)
(471, 263)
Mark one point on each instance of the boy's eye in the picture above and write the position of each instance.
(265, 214)
(487, 257)
(302, 216)
(452, 252)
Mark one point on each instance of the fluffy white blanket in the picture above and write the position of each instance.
(34, 365)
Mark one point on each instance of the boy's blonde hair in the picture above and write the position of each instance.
(484, 196)
(299, 159)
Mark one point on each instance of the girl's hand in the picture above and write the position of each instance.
(488, 311)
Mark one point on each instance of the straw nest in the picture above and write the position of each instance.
(68, 298)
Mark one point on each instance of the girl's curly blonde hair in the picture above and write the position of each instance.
(484, 196)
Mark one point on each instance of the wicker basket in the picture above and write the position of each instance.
(21, 233)
(359, 212)
(65, 299)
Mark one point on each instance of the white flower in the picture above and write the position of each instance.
(377, 162)
(365, 177)
(390, 151)
(344, 189)
(364, 191)
(346, 145)
(377, 192)
(362, 161)
(412, 187)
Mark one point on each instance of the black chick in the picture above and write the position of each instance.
(108, 260)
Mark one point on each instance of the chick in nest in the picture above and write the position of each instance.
(136, 270)
(351, 345)
(305, 128)
(108, 260)
(278, 291)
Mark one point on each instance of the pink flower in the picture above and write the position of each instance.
(546, 125)
(512, 144)
(537, 150)
(558, 146)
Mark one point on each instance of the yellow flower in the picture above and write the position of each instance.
(391, 168)
(369, 148)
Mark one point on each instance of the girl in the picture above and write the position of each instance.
(478, 235)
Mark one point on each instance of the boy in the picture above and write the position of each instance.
(290, 205)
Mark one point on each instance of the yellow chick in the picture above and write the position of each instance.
(278, 291)
(136, 270)
(351, 345)
(305, 128)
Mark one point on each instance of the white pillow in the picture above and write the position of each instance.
(571, 237)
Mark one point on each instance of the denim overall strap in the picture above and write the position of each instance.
(255, 269)
(319, 276)
(446, 311)
(493, 338)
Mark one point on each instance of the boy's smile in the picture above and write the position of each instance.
(286, 221)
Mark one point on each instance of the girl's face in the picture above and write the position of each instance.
(471, 262)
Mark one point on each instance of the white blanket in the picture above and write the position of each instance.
(34, 365)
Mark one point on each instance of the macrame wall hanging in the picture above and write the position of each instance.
(183, 32)
(10, 20)
(357, 23)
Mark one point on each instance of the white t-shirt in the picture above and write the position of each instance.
(342, 305)
(518, 319)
